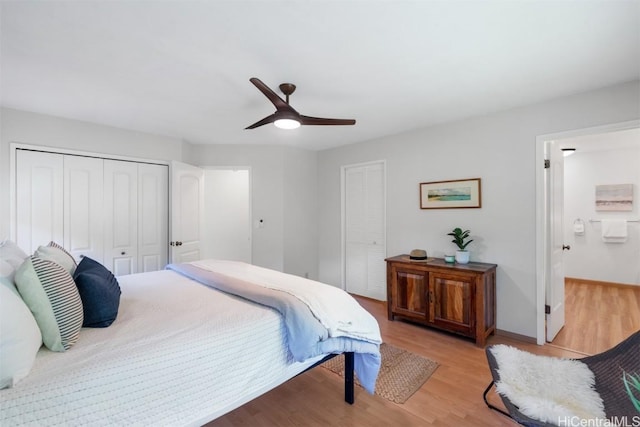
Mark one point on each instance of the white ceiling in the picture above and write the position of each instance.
(182, 68)
(618, 140)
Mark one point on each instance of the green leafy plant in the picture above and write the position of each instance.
(631, 383)
(459, 237)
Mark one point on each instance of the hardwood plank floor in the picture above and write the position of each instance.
(598, 315)
(451, 397)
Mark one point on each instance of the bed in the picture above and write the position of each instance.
(179, 353)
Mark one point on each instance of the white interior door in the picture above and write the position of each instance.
(39, 199)
(364, 225)
(121, 216)
(83, 207)
(153, 217)
(187, 205)
(554, 296)
(227, 202)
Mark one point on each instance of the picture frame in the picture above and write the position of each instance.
(453, 194)
(616, 197)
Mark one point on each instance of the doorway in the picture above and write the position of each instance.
(546, 225)
(227, 207)
(364, 230)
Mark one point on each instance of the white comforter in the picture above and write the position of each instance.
(319, 318)
(178, 354)
(333, 307)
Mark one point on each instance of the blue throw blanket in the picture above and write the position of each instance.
(306, 335)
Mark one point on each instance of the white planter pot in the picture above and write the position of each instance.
(462, 257)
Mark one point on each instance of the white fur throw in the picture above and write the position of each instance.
(548, 389)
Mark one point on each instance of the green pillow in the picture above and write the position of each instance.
(51, 294)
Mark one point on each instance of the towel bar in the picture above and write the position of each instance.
(629, 220)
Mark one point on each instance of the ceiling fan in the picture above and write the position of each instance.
(286, 117)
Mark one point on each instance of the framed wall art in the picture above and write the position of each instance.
(459, 193)
(617, 197)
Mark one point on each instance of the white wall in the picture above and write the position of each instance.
(227, 229)
(500, 149)
(283, 187)
(37, 129)
(589, 257)
(283, 178)
(300, 212)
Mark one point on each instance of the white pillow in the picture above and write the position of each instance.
(11, 257)
(20, 338)
(7, 273)
(11, 253)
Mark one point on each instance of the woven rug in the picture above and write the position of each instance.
(402, 373)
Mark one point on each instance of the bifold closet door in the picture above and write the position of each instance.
(153, 217)
(121, 216)
(39, 199)
(83, 207)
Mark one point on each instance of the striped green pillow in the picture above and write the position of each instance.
(51, 294)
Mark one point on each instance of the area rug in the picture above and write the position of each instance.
(402, 373)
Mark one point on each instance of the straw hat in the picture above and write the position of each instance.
(418, 255)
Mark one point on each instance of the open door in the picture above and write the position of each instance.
(187, 212)
(554, 295)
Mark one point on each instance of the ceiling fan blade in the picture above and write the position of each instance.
(306, 120)
(265, 121)
(273, 97)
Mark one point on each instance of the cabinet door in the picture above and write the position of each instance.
(451, 299)
(409, 293)
(83, 207)
(39, 199)
(121, 216)
(452, 302)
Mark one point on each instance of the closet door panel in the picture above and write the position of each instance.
(121, 216)
(187, 205)
(364, 222)
(375, 225)
(39, 199)
(153, 217)
(83, 207)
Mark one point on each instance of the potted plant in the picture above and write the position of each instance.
(459, 237)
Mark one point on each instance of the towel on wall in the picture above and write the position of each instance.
(614, 230)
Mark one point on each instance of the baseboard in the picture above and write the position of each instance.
(601, 283)
(518, 337)
(368, 299)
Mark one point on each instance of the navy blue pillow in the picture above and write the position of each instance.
(99, 291)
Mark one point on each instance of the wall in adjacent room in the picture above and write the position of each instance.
(591, 258)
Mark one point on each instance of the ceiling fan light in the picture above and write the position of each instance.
(287, 124)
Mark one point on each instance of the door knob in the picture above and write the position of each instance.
(123, 253)
(566, 247)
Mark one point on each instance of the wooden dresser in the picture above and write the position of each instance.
(459, 298)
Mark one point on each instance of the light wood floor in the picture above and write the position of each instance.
(451, 397)
(598, 315)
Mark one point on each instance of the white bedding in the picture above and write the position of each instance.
(179, 353)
